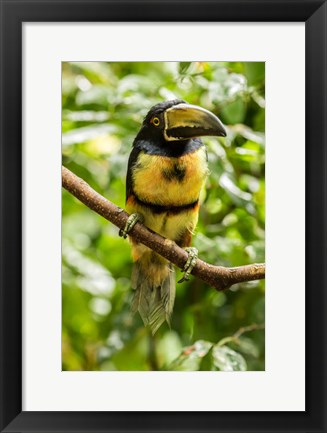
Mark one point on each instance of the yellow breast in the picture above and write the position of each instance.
(170, 181)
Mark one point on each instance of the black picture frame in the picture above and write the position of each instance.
(13, 15)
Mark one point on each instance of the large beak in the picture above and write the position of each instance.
(184, 121)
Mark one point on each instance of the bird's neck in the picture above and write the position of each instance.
(164, 148)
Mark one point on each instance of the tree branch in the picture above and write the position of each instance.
(219, 277)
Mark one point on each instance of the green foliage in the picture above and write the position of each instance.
(103, 107)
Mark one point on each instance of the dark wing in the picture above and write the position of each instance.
(131, 162)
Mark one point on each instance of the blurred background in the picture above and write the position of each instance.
(103, 105)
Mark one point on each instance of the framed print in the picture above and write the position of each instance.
(183, 115)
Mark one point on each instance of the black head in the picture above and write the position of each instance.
(176, 121)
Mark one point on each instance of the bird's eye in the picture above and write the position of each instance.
(156, 121)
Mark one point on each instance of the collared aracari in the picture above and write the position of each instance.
(166, 171)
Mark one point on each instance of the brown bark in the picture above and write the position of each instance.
(219, 277)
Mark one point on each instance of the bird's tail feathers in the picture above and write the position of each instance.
(154, 283)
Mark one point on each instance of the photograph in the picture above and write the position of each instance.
(164, 165)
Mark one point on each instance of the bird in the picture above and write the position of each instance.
(166, 171)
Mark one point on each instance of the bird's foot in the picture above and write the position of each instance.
(132, 220)
(190, 263)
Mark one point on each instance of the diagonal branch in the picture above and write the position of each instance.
(219, 277)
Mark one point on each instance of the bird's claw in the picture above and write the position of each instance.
(190, 263)
(131, 221)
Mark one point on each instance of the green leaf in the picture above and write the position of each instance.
(254, 72)
(226, 359)
(183, 67)
(191, 356)
(233, 190)
(248, 347)
(249, 134)
(86, 133)
(206, 362)
(168, 348)
(234, 112)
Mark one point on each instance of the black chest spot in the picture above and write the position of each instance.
(175, 172)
